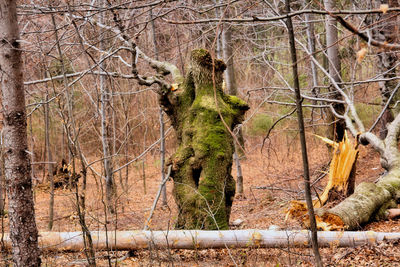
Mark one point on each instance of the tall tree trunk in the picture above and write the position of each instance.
(105, 128)
(387, 31)
(161, 116)
(23, 229)
(311, 48)
(230, 81)
(336, 131)
(203, 117)
(2, 181)
(299, 108)
(218, 48)
(49, 159)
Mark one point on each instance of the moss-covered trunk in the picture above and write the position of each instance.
(370, 201)
(203, 117)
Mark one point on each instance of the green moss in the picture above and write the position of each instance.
(204, 59)
(381, 214)
(204, 188)
(390, 182)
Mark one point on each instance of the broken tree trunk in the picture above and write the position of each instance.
(369, 201)
(194, 239)
(203, 117)
(341, 181)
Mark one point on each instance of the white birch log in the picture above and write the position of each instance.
(193, 239)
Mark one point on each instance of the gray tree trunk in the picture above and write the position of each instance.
(311, 48)
(230, 81)
(105, 131)
(387, 60)
(336, 131)
(161, 115)
(2, 180)
(300, 119)
(49, 159)
(218, 49)
(24, 235)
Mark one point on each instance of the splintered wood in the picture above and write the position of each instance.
(340, 185)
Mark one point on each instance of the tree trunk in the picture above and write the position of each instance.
(336, 131)
(49, 159)
(227, 48)
(2, 183)
(387, 31)
(184, 239)
(24, 235)
(105, 128)
(203, 117)
(370, 201)
(161, 116)
(300, 120)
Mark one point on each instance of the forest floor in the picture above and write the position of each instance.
(277, 169)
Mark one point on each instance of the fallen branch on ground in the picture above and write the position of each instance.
(193, 239)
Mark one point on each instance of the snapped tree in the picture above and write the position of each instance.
(370, 200)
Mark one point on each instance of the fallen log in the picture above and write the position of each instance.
(197, 239)
(370, 201)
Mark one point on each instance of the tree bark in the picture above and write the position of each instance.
(300, 120)
(387, 31)
(230, 81)
(161, 116)
(24, 235)
(105, 128)
(336, 131)
(203, 117)
(2, 183)
(49, 159)
(194, 239)
(370, 201)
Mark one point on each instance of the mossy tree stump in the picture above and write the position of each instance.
(201, 166)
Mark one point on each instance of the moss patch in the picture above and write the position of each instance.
(204, 188)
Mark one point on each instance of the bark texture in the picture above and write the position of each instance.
(24, 235)
(203, 117)
(336, 132)
(231, 88)
(370, 201)
(387, 31)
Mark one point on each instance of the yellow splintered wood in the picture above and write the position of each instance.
(343, 159)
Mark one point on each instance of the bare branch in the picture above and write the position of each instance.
(281, 17)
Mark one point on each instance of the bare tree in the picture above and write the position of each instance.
(338, 126)
(105, 126)
(230, 81)
(300, 119)
(23, 229)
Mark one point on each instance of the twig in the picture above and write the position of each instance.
(274, 124)
(275, 188)
(385, 107)
(146, 225)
